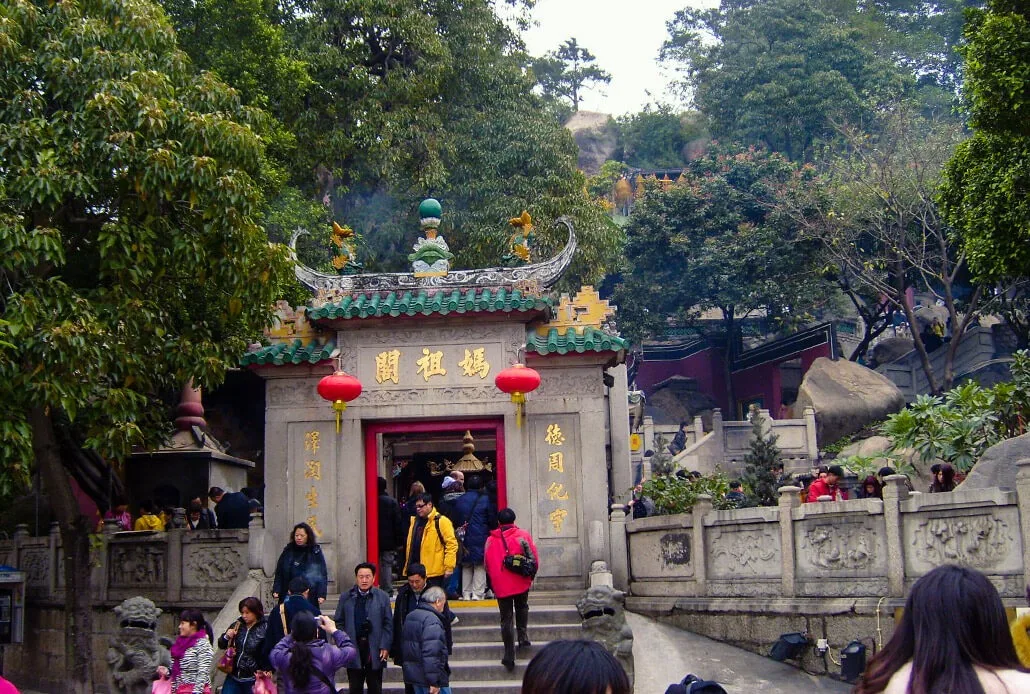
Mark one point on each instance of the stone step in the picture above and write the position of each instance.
(491, 651)
(540, 614)
(479, 687)
(488, 633)
(471, 671)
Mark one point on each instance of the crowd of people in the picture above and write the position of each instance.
(232, 510)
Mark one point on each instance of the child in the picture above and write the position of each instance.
(147, 519)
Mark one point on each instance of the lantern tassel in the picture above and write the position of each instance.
(339, 406)
(519, 399)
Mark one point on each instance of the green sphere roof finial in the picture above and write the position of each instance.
(430, 207)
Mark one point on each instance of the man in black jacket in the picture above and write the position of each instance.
(392, 533)
(231, 508)
(426, 645)
(364, 614)
(281, 617)
(408, 598)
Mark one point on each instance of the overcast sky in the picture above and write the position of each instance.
(625, 35)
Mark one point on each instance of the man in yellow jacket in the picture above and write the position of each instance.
(431, 542)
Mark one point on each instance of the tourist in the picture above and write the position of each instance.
(247, 637)
(826, 485)
(474, 512)
(408, 598)
(885, 471)
(231, 508)
(364, 612)
(279, 621)
(308, 663)
(417, 489)
(736, 493)
(192, 655)
(871, 488)
(196, 519)
(458, 475)
(426, 644)
(120, 513)
(953, 637)
(679, 441)
(943, 479)
(391, 536)
(147, 520)
(431, 542)
(511, 588)
(302, 557)
(452, 489)
(575, 667)
(641, 506)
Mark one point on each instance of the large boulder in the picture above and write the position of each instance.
(997, 466)
(886, 351)
(597, 139)
(846, 397)
(876, 447)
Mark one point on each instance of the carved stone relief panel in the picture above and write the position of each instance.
(135, 565)
(584, 382)
(293, 392)
(35, 563)
(985, 541)
(662, 554)
(213, 565)
(838, 547)
(751, 551)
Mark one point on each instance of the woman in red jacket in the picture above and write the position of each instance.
(511, 582)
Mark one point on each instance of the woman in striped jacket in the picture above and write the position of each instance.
(192, 655)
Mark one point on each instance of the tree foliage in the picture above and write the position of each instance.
(564, 73)
(763, 457)
(132, 260)
(986, 188)
(657, 137)
(780, 72)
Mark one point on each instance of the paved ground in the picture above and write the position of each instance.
(663, 655)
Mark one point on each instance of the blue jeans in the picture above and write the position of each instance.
(419, 689)
(234, 686)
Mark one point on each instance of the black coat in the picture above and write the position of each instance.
(474, 508)
(406, 602)
(307, 561)
(250, 649)
(290, 607)
(233, 511)
(425, 646)
(380, 620)
(392, 528)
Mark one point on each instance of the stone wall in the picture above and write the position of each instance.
(836, 570)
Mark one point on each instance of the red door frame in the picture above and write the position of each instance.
(419, 427)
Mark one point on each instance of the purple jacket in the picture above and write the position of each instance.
(327, 658)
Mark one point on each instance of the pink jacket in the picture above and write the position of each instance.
(507, 583)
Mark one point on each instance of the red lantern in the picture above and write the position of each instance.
(518, 380)
(339, 389)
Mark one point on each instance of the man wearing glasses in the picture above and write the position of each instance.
(431, 542)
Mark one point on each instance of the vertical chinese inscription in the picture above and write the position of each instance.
(556, 497)
(311, 478)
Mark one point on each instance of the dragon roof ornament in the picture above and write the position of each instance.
(544, 274)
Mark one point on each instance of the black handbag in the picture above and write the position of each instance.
(522, 564)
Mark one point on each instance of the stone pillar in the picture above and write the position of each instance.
(55, 552)
(619, 547)
(618, 430)
(894, 491)
(790, 499)
(719, 451)
(256, 539)
(1023, 493)
(111, 526)
(811, 440)
(702, 507)
(21, 531)
(699, 429)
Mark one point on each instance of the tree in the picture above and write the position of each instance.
(778, 72)
(567, 71)
(985, 193)
(759, 462)
(132, 261)
(657, 137)
(875, 213)
(712, 241)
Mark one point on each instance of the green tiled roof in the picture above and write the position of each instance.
(590, 340)
(296, 352)
(425, 303)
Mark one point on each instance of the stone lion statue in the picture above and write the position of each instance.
(135, 652)
(604, 620)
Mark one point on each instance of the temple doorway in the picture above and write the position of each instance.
(427, 451)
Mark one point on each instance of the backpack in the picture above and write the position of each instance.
(692, 684)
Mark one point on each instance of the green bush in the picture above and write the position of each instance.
(960, 425)
(672, 494)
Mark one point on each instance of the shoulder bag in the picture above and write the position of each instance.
(523, 564)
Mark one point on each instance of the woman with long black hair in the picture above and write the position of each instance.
(302, 557)
(192, 655)
(953, 639)
(307, 663)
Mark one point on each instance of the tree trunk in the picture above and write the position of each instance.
(917, 340)
(78, 609)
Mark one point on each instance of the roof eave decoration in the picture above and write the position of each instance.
(543, 275)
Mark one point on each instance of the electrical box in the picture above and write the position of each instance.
(12, 605)
(852, 661)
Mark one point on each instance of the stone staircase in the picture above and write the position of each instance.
(476, 661)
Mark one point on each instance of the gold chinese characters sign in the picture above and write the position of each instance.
(429, 366)
(555, 458)
(311, 476)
